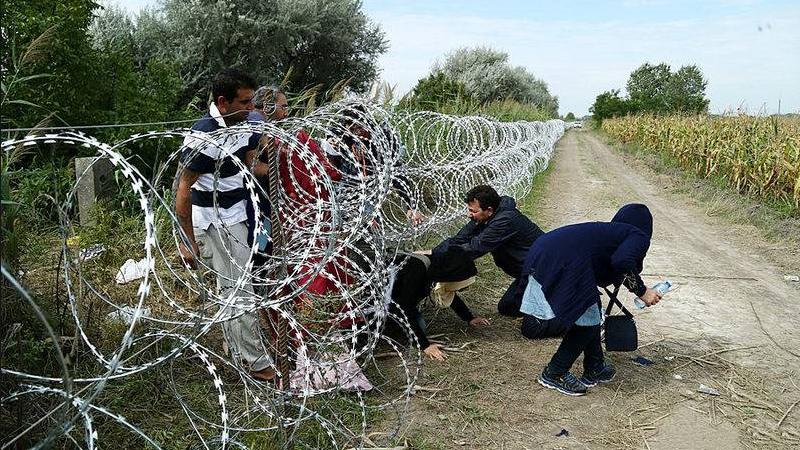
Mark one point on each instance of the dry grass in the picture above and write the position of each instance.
(486, 396)
(756, 155)
(779, 230)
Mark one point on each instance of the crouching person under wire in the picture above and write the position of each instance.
(451, 270)
(496, 226)
(564, 267)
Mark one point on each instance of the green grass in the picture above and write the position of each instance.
(147, 400)
(530, 204)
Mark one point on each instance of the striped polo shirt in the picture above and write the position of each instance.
(215, 161)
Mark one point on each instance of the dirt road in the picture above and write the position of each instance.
(730, 325)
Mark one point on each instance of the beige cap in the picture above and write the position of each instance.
(444, 292)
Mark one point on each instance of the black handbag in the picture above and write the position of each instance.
(620, 334)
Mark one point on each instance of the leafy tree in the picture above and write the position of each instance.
(314, 41)
(133, 90)
(112, 30)
(656, 89)
(569, 117)
(686, 90)
(484, 72)
(609, 104)
(648, 88)
(76, 59)
(437, 90)
(65, 56)
(488, 76)
(534, 91)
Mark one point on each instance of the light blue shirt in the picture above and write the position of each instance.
(535, 304)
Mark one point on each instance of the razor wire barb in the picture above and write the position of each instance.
(340, 232)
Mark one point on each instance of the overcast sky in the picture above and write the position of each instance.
(749, 50)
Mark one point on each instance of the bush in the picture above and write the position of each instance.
(513, 111)
(609, 104)
(435, 91)
(488, 76)
(38, 188)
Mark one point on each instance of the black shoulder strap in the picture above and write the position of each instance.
(612, 300)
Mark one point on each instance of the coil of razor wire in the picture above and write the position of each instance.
(345, 183)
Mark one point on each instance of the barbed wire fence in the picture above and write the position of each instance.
(320, 297)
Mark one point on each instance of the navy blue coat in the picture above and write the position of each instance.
(507, 235)
(571, 261)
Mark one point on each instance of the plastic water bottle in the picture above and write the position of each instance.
(661, 287)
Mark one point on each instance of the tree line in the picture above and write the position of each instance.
(75, 62)
(656, 89)
(477, 78)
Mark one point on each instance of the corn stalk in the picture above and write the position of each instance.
(758, 156)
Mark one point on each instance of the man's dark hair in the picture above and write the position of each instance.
(486, 196)
(228, 82)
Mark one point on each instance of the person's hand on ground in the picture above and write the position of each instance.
(435, 351)
(650, 297)
(479, 321)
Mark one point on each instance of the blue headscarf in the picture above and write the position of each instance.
(637, 215)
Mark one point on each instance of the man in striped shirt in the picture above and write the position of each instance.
(211, 208)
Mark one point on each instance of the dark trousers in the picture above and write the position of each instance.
(510, 302)
(578, 340)
(535, 328)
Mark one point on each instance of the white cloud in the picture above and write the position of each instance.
(579, 60)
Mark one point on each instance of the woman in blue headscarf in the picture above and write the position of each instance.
(564, 268)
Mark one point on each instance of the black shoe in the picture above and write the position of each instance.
(566, 383)
(604, 375)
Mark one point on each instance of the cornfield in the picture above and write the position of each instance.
(758, 156)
